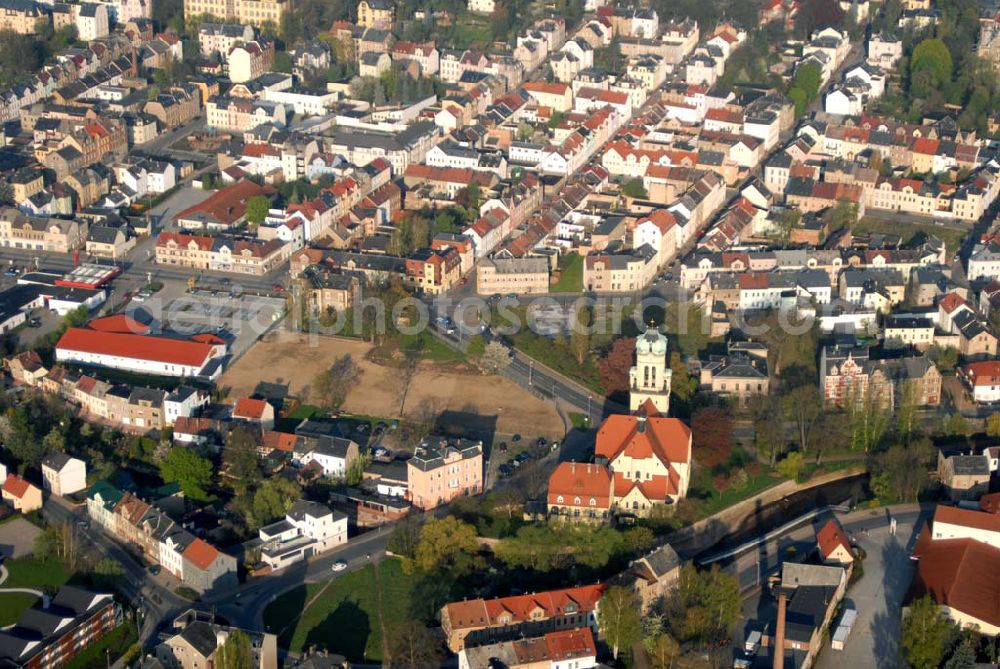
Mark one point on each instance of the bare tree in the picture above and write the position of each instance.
(332, 385)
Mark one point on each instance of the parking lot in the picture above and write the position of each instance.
(877, 596)
(242, 318)
(17, 538)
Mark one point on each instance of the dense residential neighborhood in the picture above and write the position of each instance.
(499, 334)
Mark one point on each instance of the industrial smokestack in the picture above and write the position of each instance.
(778, 658)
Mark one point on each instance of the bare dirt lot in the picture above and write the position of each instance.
(292, 359)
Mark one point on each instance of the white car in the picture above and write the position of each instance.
(339, 565)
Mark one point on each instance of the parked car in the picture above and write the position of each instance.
(505, 471)
(339, 565)
(34, 322)
(154, 569)
(12, 271)
(523, 457)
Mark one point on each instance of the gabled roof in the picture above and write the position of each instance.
(201, 554)
(831, 537)
(667, 439)
(16, 486)
(962, 574)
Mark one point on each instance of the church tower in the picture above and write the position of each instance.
(649, 379)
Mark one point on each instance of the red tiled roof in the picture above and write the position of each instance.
(136, 347)
(545, 87)
(583, 480)
(273, 440)
(249, 408)
(201, 554)
(479, 613)
(227, 204)
(195, 426)
(118, 323)
(668, 439)
(983, 373)
(568, 644)
(830, 537)
(962, 574)
(16, 486)
(653, 489)
(990, 503)
(951, 302)
(978, 520)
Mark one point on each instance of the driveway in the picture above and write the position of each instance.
(877, 597)
(17, 538)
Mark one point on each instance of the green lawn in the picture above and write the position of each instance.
(118, 641)
(579, 420)
(951, 238)
(12, 605)
(432, 348)
(571, 274)
(345, 617)
(471, 30)
(32, 573)
(28, 573)
(716, 502)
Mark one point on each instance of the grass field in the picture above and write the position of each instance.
(909, 230)
(343, 615)
(12, 605)
(115, 643)
(28, 573)
(571, 274)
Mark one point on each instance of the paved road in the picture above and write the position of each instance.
(245, 605)
(156, 602)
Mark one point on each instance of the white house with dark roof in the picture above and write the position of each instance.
(308, 528)
(63, 475)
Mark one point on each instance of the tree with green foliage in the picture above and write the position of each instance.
(964, 655)
(256, 210)
(930, 66)
(703, 606)
(791, 466)
(924, 633)
(688, 325)
(800, 99)
(405, 538)
(272, 499)
(683, 384)
(619, 619)
(188, 469)
(787, 220)
(808, 78)
(635, 188)
(446, 544)
(663, 651)
(993, 425)
(239, 459)
(903, 469)
(236, 652)
(955, 425)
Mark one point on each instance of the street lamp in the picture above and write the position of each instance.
(589, 398)
(531, 369)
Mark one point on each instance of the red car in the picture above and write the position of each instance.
(278, 288)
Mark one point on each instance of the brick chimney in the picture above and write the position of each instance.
(778, 657)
